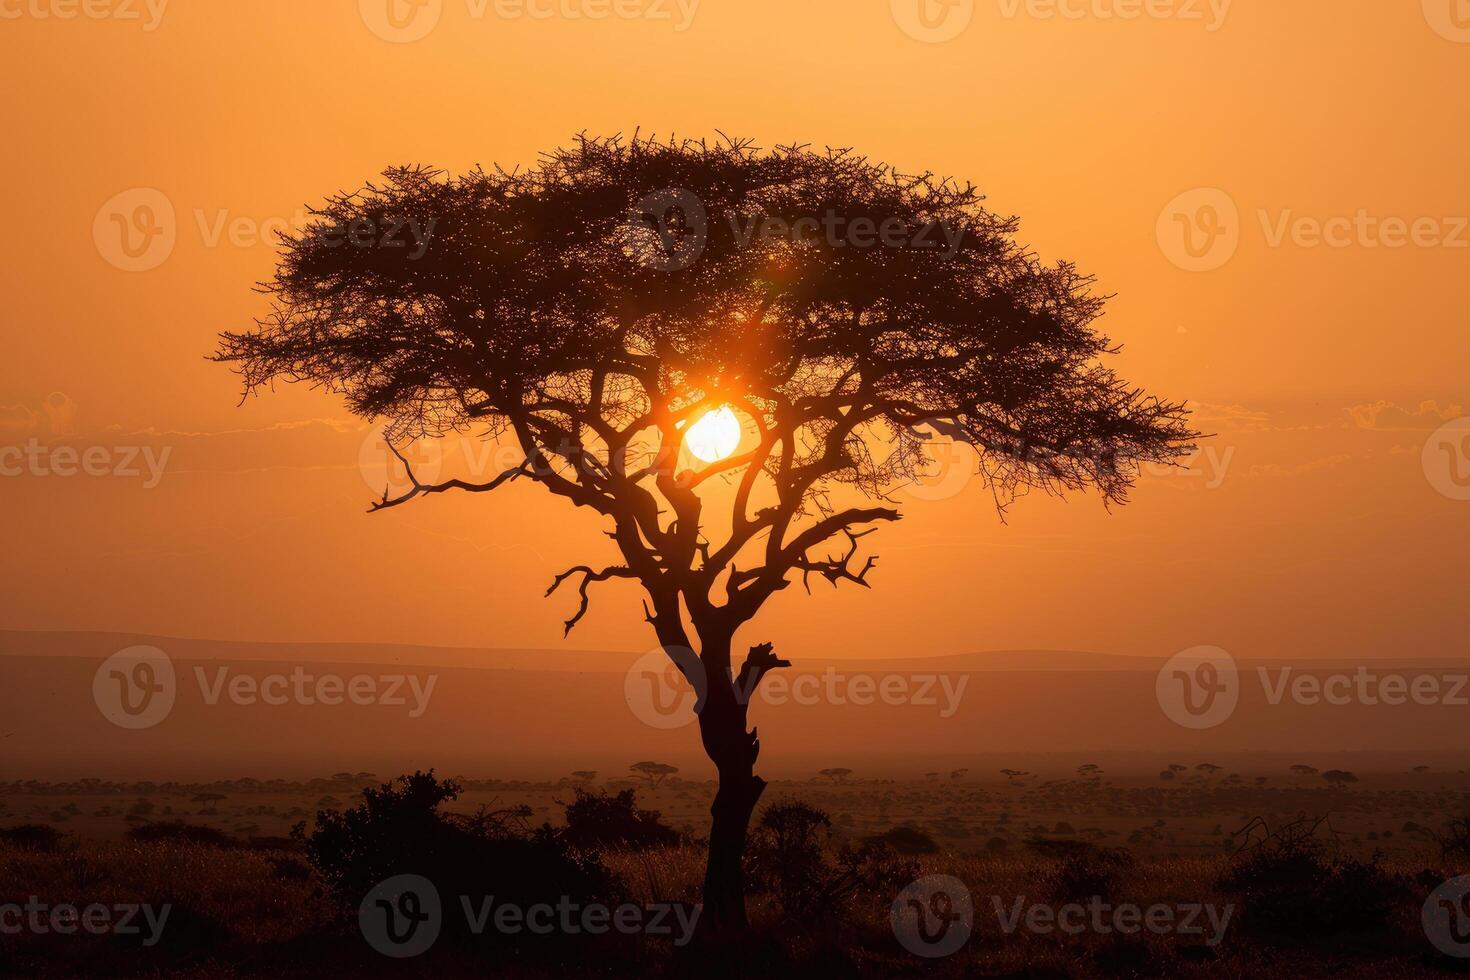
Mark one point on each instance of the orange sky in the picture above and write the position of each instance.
(1309, 527)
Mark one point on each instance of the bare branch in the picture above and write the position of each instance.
(588, 577)
(417, 488)
(835, 570)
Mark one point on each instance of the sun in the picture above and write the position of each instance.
(714, 435)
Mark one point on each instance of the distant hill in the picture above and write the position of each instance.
(529, 711)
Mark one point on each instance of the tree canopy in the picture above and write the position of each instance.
(592, 306)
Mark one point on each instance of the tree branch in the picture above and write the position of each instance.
(837, 569)
(588, 577)
(417, 488)
(759, 662)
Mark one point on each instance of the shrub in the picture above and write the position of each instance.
(906, 840)
(597, 821)
(1085, 873)
(787, 855)
(1454, 840)
(399, 829)
(178, 831)
(1288, 886)
(31, 837)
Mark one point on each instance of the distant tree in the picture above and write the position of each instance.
(584, 775)
(598, 309)
(1176, 767)
(654, 772)
(1208, 768)
(931, 775)
(958, 773)
(836, 774)
(1339, 777)
(1420, 769)
(1166, 774)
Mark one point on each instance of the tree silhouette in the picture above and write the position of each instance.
(653, 772)
(593, 309)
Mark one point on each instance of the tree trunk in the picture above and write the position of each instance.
(733, 750)
(724, 876)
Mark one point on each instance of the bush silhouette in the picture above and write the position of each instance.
(31, 837)
(179, 831)
(1288, 885)
(598, 821)
(906, 840)
(399, 828)
(787, 855)
(1087, 873)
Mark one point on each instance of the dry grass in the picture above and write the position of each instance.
(275, 925)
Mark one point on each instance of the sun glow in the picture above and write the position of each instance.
(714, 435)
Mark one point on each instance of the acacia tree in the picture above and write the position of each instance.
(590, 309)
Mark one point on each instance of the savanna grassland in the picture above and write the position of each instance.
(1303, 877)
